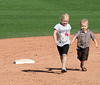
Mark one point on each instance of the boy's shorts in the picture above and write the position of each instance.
(82, 53)
(63, 50)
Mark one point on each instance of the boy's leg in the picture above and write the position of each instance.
(64, 58)
(64, 54)
(84, 58)
(83, 65)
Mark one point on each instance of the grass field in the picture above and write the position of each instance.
(27, 18)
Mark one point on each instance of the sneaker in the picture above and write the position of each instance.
(63, 70)
(84, 69)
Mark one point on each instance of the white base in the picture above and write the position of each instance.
(23, 61)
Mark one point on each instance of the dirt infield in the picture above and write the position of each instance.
(47, 69)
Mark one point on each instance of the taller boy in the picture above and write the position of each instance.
(61, 37)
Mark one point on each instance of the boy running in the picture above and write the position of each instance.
(62, 40)
(83, 37)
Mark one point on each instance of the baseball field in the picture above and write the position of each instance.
(26, 28)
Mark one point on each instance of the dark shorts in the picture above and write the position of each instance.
(82, 53)
(63, 50)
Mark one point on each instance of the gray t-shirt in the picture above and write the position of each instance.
(84, 38)
(62, 34)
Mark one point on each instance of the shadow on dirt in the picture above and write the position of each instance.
(41, 71)
(51, 70)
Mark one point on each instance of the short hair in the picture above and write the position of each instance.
(65, 15)
(84, 21)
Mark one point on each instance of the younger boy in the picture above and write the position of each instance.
(84, 36)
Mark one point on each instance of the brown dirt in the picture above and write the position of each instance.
(47, 69)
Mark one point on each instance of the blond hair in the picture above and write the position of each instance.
(83, 21)
(65, 15)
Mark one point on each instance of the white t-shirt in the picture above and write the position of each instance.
(62, 34)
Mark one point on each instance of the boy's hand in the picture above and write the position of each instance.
(71, 43)
(72, 40)
(96, 45)
(56, 42)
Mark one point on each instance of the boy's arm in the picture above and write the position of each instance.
(96, 44)
(76, 36)
(55, 37)
(94, 39)
(73, 39)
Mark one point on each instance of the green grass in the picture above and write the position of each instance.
(27, 18)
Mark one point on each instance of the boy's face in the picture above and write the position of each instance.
(65, 21)
(84, 26)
